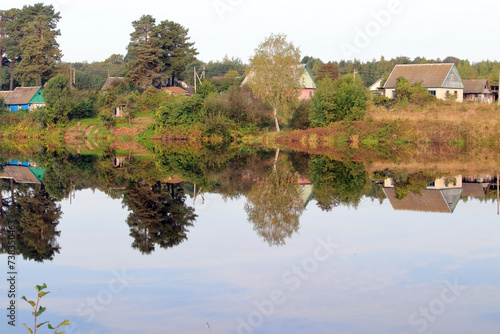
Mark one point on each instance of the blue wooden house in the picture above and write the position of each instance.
(25, 98)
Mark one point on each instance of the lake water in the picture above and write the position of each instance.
(272, 243)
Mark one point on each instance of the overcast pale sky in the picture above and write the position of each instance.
(92, 30)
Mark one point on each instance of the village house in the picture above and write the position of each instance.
(440, 80)
(478, 90)
(24, 98)
(306, 84)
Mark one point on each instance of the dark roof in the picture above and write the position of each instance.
(429, 200)
(20, 174)
(21, 95)
(478, 86)
(429, 75)
(113, 81)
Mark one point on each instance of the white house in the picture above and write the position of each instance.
(441, 80)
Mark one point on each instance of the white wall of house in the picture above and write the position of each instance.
(440, 93)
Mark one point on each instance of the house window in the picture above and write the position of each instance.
(393, 93)
(432, 184)
(432, 92)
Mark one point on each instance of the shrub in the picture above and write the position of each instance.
(337, 100)
(206, 88)
(300, 119)
(415, 94)
(181, 111)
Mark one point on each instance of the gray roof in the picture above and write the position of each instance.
(21, 95)
(429, 75)
(112, 81)
(477, 86)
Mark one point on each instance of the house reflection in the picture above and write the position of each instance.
(477, 186)
(442, 195)
(306, 189)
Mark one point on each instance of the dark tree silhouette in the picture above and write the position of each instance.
(159, 215)
(36, 216)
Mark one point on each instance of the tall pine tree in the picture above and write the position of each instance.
(177, 51)
(144, 66)
(158, 52)
(34, 32)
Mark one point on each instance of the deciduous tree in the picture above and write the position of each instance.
(274, 76)
(334, 101)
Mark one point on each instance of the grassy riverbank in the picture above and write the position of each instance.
(461, 133)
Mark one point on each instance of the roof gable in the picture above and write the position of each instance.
(307, 79)
(376, 85)
(24, 95)
(428, 75)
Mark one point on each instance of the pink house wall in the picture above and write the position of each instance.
(306, 93)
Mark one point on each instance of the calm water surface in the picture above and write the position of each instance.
(367, 267)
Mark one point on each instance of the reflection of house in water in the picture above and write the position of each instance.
(307, 190)
(22, 172)
(477, 186)
(439, 196)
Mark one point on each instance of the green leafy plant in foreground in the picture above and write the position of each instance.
(38, 310)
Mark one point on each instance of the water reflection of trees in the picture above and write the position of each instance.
(276, 187)
(275, 205)
(159, 215)
(35, 216)
(337, 182)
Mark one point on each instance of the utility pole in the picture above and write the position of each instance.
(194, 77)
(72, 75)
(197, 77)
